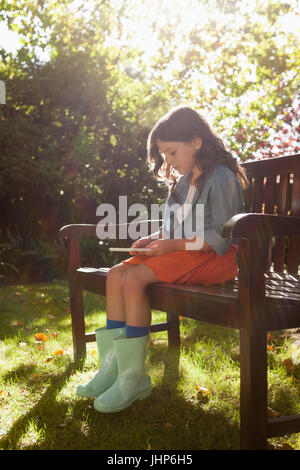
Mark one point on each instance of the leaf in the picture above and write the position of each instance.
(94, 352)
(202, 389)
(269, 338)
(52, 317)
(59, 352)
(54, 335)
(272, 412)
(41, 337)
(47, 360)
(286, 446)
(17, 323)
(4, 394)
(158, 341)
(288, 364)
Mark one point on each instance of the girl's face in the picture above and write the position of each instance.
(180, 155)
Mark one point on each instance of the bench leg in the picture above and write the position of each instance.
(173, 330)
(78, 324)
(253, 411)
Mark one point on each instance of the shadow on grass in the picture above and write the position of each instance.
(37, 412)
(20, 373)
(165, 420)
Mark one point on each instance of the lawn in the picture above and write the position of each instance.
(194, 402)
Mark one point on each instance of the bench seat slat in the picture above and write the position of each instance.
(282, 301)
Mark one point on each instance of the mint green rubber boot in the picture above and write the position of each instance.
(132, 382)
(108, 371)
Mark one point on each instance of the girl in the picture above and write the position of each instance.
(181, 142)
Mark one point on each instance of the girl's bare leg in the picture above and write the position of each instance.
(115, 307)
(136, 303)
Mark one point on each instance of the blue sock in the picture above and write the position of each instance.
(137, 331)
(111, 324)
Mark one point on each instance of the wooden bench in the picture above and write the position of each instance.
(265, 295)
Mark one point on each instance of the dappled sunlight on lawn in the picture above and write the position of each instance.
(196, 391)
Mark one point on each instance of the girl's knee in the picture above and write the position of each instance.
(116, 273)
(134, 280)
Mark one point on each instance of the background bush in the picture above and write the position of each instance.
(82, 98)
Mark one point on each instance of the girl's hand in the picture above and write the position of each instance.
(161, 247)
(141, 243)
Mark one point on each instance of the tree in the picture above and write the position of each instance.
(70, 133)
(85, 88)
(234, 60)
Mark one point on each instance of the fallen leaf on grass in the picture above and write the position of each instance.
(59, 352)
(202, 389)
(288, 364)
(94, 352)
(4, 394)
(47, 360)
(17, 323)
(286, 446)
(52, 317)
(41, 337)
(158, 341)
(54, 335)
(269, 338)
(272, 412)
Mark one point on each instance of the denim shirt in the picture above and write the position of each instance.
(222, 197)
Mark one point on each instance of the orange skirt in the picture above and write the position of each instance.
(191, 267)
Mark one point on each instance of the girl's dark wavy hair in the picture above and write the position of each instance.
(183, 124)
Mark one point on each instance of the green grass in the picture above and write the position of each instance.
(39, 408)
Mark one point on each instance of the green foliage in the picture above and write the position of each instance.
(84, 89)
(239, 65)
(40, 259)
(69, 130)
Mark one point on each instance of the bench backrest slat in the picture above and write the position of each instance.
(275, 189)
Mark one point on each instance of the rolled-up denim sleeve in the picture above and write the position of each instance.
(225, 199)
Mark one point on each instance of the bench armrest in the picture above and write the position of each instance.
(90, 230)
(77, 231)
(261, 226)
(69, 237)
